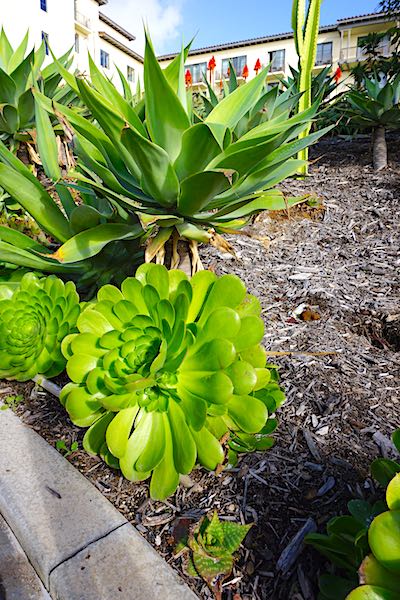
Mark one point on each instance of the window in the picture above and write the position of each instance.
(77, 43)
(131, 74)
(238, 62)
(277, 60)
(366, 42)
(104, 59)
(324, 54)
(197, 71)
(43, 5)
(45, 39)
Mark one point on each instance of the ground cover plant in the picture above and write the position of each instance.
(365, 544)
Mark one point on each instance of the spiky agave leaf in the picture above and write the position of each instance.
(35, 315)
(164, 368)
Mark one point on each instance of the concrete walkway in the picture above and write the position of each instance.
(80, 546)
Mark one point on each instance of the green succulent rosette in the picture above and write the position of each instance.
(164, 368)
(35, 316)
(210, 549)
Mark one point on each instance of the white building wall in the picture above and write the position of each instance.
(62, 21)
(18, 16)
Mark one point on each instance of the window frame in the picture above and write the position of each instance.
(45, 39)
(281, 67)
(106, 55)
(323, 63)
(132, 70)
(226, 61)
(197, 77)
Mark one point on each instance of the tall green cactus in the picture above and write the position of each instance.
(305, 25)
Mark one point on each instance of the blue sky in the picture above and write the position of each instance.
(217, 21)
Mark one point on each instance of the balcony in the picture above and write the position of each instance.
(354, 54)
(82, 22)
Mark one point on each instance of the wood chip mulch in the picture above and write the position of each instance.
(328, 281)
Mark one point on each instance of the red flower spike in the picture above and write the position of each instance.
(338, 74)
(188, 77)
(257, 66)
(245, 72)
(212, 64)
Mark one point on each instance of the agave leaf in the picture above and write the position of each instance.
(158, 177)
(110, 92)
(166, 120)
(199, 147)
(8, 88)
(90, 242)
(36, 201)
(232, 108)
(199, 189)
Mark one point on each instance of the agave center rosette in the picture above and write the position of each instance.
(163, 368)
(35, 315)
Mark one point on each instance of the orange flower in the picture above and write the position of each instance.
(257, 66)
(338, 74)
(188, 77)
(212, 64)
(245, 72)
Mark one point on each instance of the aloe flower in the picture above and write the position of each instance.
(164, 368)
(35, 315)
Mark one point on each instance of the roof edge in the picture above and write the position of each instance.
(108, 38)
(276, 37)
(116, 27)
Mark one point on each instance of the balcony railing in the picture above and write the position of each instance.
(356, 53)
(82, 20)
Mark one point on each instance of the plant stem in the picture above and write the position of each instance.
(379, 148)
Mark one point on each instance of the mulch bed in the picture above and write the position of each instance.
(341, 375)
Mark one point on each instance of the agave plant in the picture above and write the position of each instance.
(18, 75)
(97, 242)
(376, 107)
(210, 550)
(35, 315)
(188, 179)
(323, 84)
(163, 369)
(272, 105)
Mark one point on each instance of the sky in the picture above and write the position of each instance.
(217, 21)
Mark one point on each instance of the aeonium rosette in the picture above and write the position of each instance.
(164, 368)
(36, 313)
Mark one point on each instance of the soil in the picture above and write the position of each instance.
(327, 278)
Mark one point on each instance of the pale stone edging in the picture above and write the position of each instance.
(81, 547)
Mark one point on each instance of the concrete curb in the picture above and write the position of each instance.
(81, 547)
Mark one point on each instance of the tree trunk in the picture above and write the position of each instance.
(379, 148)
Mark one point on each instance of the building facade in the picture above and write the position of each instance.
(338, 45)
(83, 26)
(78, 24)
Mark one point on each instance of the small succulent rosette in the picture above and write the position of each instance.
(35, 316)
(210, 548)
(164, 368)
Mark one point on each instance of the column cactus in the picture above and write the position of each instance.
(305, 24)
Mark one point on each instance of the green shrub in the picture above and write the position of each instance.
(164, 368)
(35, 315)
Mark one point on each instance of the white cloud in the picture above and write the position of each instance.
(163, 17)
